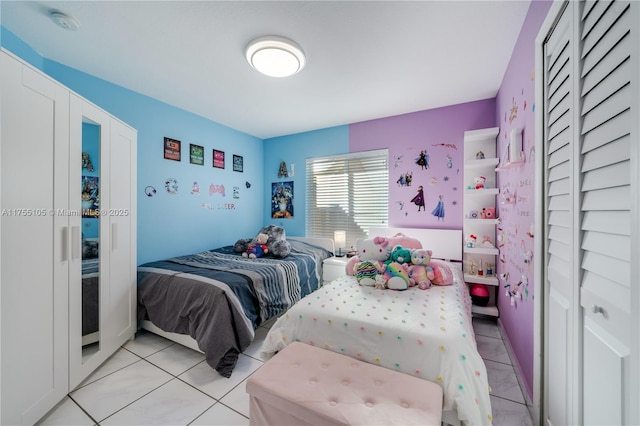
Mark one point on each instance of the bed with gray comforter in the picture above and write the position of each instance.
(219, 297)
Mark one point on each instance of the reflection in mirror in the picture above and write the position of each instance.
(90, 238)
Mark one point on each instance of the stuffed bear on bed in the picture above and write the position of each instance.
(277, 244)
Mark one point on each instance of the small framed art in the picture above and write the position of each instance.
(196, 154)
(237, 163)
(171, 149)
(218, 159)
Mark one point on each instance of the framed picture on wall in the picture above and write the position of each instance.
(171, 149)
(218, 159)
(196, 154)
(237, 163)
(282, 200)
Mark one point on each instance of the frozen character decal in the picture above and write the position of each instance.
(418, 200)
(423, 160)
(439, 210)
(405, 179)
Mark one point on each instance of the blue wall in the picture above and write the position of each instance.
(170, 225)
(295, 149)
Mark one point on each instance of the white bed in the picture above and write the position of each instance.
(424, 333)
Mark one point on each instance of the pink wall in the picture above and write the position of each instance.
(439, 133)
(515, 109)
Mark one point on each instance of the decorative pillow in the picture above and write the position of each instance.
(404, 241)
(443, 275)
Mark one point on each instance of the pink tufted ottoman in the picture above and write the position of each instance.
(304, 385)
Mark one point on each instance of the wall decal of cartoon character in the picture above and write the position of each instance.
(418, 200)
(423, 160)
(405, 179)
(439, 210)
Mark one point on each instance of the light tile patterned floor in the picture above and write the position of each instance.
(153, 381)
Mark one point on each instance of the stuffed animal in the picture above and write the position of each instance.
(372, 249)
(277, 244)
(381, 282)
(470, 241)
(366, 273)
(420, 273)
(397, 276)
(257, 249)
(399, 254)
(480, 180)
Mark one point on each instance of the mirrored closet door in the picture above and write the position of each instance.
(89, 249)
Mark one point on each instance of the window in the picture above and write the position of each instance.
(347, 192)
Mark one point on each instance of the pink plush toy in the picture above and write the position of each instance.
(420, 273)
(375, 249)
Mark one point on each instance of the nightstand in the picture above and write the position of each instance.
(333, 268)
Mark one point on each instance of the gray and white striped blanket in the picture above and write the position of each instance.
(277, 283)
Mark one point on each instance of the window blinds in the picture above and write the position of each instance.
(347, 192)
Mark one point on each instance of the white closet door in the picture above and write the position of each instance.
(560, 235)
(606, 189)
(35, 243)
(591, 213)
(122, 230)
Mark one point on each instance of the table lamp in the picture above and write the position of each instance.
(340, 240)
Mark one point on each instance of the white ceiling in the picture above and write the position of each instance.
(365, 59)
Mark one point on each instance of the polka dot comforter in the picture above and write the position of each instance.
(424, 333)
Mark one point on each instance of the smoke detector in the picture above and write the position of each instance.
(65, 21)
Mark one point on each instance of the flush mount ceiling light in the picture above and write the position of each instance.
(275, 56)
(65, 21)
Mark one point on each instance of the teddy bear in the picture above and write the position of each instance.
(480, 180)
(420, 273)
(375, 249)
(399, 254)
(258, 248)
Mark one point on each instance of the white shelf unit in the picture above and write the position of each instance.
(480, 159)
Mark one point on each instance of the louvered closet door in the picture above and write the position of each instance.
(559, 147)
(605, 209)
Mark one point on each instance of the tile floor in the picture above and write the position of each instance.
(153, 381)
